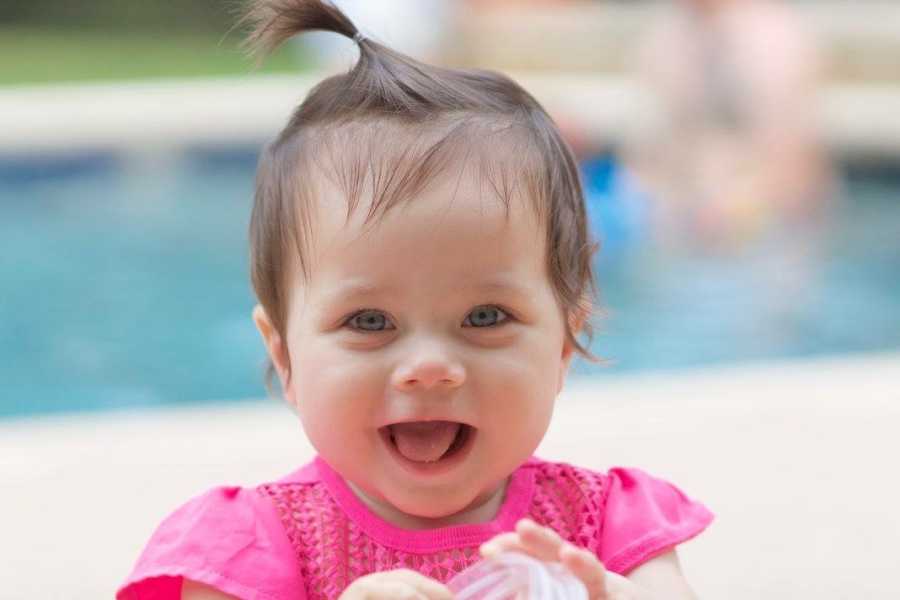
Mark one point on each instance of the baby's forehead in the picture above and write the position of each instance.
(452, 233)
(448, 197)
(448, 211)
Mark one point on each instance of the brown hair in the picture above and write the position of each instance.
(433, 117)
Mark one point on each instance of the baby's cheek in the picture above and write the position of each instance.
(520, 401)
(532, 372)
(341, 386)
(337, 406)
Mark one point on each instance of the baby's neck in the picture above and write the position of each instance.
(482, 510)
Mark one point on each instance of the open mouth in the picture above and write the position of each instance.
(427, 442)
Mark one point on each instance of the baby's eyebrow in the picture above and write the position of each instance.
(352, 289)
(357, 289)
(500, 286)
(500, 283)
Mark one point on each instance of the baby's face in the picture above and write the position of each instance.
(427, 352)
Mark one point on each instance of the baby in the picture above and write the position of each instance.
(421, 258)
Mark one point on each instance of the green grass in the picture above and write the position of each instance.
(30, 55)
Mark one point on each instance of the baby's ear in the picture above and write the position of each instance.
(577, 318)
(579, 315)
(275, 345)
(568, 353)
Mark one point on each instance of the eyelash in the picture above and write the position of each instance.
(505, 318)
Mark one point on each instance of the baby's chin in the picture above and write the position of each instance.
(418, 507)
(442, 509)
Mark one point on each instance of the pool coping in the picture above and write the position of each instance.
(858, 120)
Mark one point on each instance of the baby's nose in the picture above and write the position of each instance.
(429, 372)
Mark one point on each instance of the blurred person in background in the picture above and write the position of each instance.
(730, 153)
(731, 148)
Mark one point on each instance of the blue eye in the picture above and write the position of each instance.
(485, 316)
(369, 320)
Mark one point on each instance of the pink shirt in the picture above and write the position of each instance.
(309, 536)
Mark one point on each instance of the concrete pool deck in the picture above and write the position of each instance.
(799, 461)
(160, 116)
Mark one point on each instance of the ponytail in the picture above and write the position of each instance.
(275, 21)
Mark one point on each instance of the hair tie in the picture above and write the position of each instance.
(358, 37)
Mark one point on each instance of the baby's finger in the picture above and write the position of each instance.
(425, 587)
(501, 543)
(397, 590)
(540, 542)
(432, 590)
(585, 566)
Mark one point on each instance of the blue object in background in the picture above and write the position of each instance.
(617, 208)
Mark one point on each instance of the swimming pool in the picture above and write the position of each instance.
(124, 283)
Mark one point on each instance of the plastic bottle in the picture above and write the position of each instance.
(515, 576)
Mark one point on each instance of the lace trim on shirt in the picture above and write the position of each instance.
(333, 550)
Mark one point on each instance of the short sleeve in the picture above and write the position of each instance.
(229, 538)
(644, 517)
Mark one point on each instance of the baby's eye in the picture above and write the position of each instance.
(369, 320)
(485, 316)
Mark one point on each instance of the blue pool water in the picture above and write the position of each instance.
(124, 282)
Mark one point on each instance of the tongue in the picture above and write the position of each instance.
(424, 441)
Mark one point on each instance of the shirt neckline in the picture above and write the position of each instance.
(516, 502)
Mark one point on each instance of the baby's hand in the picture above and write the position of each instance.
(545, 544)
(401, 584)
